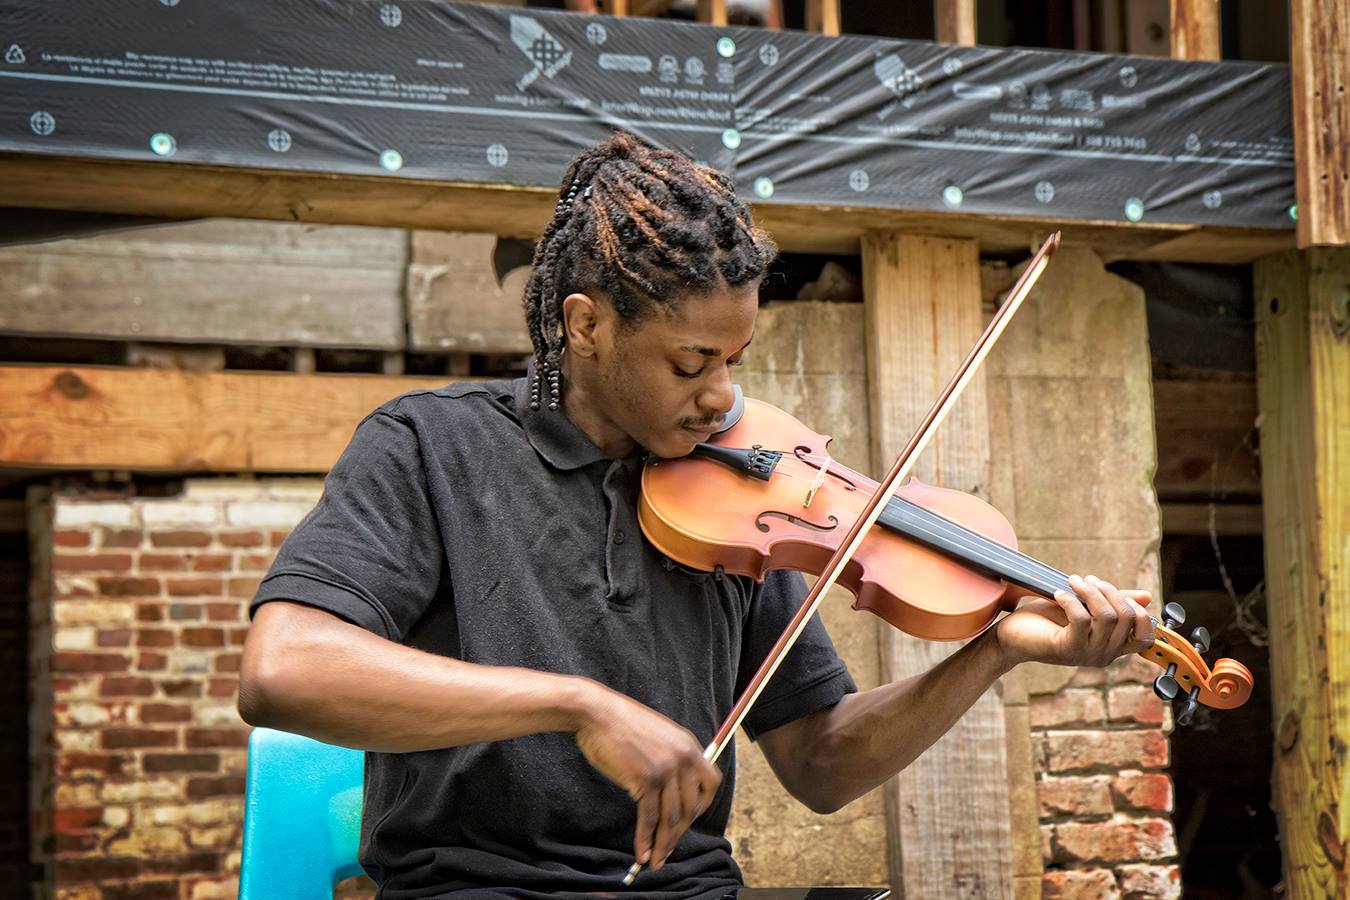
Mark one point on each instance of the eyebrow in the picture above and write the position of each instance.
(710, 351)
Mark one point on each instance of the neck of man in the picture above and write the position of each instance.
(579, 405)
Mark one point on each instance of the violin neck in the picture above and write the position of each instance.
(972, 548)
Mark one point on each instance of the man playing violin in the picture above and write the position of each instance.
(472, 602)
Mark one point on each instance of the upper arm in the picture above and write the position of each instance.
(794, 750)
(274, 648)
(370, 551)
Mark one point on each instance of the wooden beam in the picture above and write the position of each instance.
(955, 21)
(922, 307)
(1212, 518)
(822, 16)
(1195, 31)
(219, 281)
(182, 191)
(712, 12)
(1146, 27)
(1319, 51)
(1303, 376)
(90, 417)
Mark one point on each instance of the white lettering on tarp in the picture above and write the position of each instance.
(190, 70)
(14, 55)
(624, 62)
(968, 90)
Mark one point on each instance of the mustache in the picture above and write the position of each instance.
(714, 425)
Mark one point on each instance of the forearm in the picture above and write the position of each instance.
(306, 671)
(867, 737)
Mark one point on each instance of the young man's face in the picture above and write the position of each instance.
(666, 381)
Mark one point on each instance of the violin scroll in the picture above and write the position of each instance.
(1226, 685)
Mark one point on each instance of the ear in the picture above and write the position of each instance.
(584, 324)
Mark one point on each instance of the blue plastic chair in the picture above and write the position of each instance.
(302, 817)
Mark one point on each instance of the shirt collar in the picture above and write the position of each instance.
(552, 434)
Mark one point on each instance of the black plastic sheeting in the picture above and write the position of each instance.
(474, 93)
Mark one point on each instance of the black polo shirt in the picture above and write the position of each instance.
(461, 522)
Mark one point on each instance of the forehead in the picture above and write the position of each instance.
(723, 321)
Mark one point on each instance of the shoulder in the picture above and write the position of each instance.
(456, 403)
(459, 416)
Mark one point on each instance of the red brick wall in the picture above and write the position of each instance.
(137, 617)
(1105, 799)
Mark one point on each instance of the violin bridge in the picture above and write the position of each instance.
(815, 485)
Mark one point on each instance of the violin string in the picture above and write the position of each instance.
(974, 542)
(978, 547)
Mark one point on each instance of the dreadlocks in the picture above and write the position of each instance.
(646, 227)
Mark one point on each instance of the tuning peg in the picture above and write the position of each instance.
(1165, 685)
(1200, 639)
(1189, 708)
(1173, 615)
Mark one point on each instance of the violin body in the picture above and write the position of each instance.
(704, 515)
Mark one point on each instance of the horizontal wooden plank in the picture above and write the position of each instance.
(92, 417)
(216, 281)
(1206, 433)
(182, 191)
(1221, 518)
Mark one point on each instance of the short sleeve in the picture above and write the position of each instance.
(370, 551)
(811, 677)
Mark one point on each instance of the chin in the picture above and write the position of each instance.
(673, 446)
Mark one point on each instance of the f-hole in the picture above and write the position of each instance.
(795, 520)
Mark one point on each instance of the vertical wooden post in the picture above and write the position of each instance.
(949, 827)
(1303, 384)
(822, 16)
(955, 21)
(712, 12)
(1196, 32)
(1319, 52)
(615, 7)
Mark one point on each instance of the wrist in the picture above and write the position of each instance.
(1005, 657)
(581, 702)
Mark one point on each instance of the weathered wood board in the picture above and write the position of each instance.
(220, 281)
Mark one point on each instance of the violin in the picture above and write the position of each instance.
(940, 564)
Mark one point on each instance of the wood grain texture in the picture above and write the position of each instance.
(1195, 32)
(1303, 377)
(1206, 434)
(1319, 54)
(949, 808)
(218, 281)
(955, 21)
(712, 12)
(455, 301)
(90, 417)
(822, 16)
(182, 191)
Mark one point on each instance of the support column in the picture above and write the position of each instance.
(1319, 70)
(955, 21)
(1303, 381)
(1195, 31)
(949, 810)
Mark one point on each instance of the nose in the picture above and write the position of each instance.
(719, 396)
